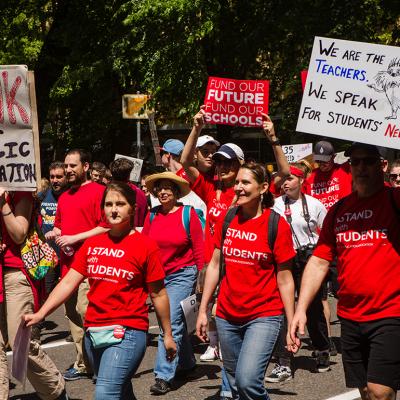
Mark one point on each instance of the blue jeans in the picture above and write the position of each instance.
(179, 285)
(115, 365)
(246, 351)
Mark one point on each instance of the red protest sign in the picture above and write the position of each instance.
(236, 102)
(303, 76)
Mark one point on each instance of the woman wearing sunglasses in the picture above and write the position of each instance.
(394, 173)
(122, 266)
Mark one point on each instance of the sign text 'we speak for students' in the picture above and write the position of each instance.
(17, 155)
(236, 102)
(352, 92)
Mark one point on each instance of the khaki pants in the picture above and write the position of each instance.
(42, 373)
(75, 310)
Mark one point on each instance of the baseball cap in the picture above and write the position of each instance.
(202, 140)
(230, 151)
(173, 146)
(323, 151)
(377, 150)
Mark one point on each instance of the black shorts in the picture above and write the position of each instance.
(371, 352)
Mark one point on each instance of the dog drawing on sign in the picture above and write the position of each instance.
(388, 82)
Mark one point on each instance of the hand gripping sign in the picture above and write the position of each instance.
(352, 92)
(236, 102)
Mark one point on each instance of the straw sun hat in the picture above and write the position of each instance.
(182, 184)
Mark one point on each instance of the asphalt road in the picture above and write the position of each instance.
(205, 382)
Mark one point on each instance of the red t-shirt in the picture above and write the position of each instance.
(364, 234)
(177, 250)
(12, 254)
(249, 288)
(329, 187)
(119, 270)
(79, 211)
(206, 189)
(141, 205)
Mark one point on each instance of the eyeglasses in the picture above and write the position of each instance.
(368, 161)
(157, 189)
(394, 177)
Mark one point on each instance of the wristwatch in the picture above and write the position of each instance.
(276, 142)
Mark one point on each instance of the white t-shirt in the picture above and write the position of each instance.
(304, 234)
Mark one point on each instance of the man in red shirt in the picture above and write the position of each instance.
(362, 230)
(329, 182)
(78, 217)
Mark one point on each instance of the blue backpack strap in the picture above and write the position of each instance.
(186, 219)
(153, 213)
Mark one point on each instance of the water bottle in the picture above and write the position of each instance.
(68, 250)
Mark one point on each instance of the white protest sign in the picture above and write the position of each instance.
(295, 152)
(190, 307)
(20, 352)
(17, 150)
(352, 92)
(137, 167)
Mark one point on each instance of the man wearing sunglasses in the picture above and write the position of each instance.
(363, 231)
(394, 174)
(329, 182)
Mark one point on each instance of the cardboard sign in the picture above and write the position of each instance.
(20, 353)
(295, 152)
(134, 106)
(17, 148)
(138, 163)
(353, 92)
(190, 307)
(236, 102)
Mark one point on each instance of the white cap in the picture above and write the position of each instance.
(202, 140)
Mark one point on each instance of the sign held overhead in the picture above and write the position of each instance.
(352, 92)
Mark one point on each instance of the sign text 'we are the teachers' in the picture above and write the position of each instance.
(352, 92)
(236, 102)
(17, 156)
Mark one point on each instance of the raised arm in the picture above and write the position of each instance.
(188, 152)
(280, 158)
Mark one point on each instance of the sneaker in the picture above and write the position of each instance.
(279, 374)
(160, 387)
(73, 374)
(332, 348)
(323, 362)
(211, 354)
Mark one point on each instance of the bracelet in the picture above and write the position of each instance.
(276, 143)
(5, 215)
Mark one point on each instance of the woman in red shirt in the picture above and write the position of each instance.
(122, 266)
(177, 231)
(255, 290)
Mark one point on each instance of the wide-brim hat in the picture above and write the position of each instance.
(182, 184)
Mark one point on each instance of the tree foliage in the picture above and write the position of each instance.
(87, 54)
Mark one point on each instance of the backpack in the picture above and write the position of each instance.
(185, 217)
(273, 222)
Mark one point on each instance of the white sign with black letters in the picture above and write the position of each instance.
(353, 92)
(190, 307)
(17, 155)
(295, 152)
